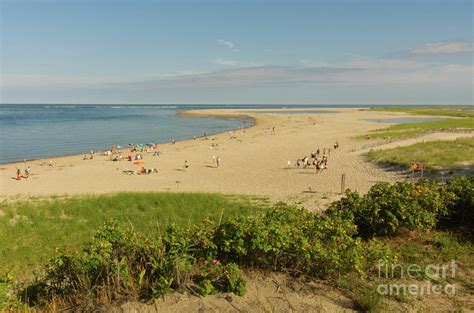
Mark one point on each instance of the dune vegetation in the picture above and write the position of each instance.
(462, 119)
(441, 155)
(408, 130)
(33, 229)
(342, 246)
(449, 110)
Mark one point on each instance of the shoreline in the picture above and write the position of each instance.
(182, 114)
(211, 112)
(254, 162)
(196, 113)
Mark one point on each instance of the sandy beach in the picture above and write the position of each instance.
(253, 161)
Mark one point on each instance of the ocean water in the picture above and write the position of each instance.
(42, 131)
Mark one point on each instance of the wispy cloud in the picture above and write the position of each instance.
(235, 63)
(377, 73)
(386, 71)
(227, 43)
(226, 62)
(371, 74)
(367, 64)
(253, 76)
(442, 47)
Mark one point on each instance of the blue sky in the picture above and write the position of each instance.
(301, 52)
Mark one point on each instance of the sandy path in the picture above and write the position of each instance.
(253, 163)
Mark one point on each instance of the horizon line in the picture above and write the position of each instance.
(243, 104)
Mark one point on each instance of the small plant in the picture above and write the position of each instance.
(216, 277)
(369, 301)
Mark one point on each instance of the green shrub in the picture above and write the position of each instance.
(388, 207)
(290, 239)
(216, 277)
(460, 211)
(119, 264)
(377, 252)
(116, 264)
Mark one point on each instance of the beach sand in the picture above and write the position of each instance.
(253, 162)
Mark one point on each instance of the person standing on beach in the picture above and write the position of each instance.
(18, 174)
(218, 161)
(27, 172)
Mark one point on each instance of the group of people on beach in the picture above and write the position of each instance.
(134, 157)
(320, 162)
(88, 157)
(216, 160)
(142, 171)
(26, 173)
(136, 153)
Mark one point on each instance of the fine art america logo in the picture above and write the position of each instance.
(437, 274)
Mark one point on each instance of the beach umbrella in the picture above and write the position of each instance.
(119, 147)
(139, 163)
(150, 144)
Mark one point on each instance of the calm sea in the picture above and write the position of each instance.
(42, 131)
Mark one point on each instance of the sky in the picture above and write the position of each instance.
(236, 52)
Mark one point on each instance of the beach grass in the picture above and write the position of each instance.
(408, 130)
(33, 229)
(436, 155)
(3, 293)
(463, 120)
(412, 247)
(454, 111)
